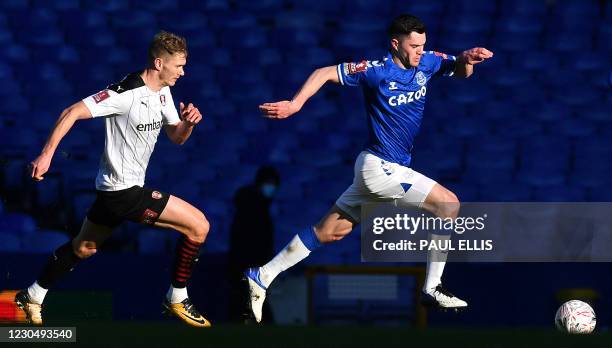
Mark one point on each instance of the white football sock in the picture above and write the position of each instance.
(176, 295)
(37, 293)
(433, 276)
(291, 254)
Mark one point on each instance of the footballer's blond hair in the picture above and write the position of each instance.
(166, 43)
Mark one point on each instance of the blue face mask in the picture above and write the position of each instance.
(268, 190)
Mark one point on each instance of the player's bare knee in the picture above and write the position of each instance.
(200, 229)
(449, 208)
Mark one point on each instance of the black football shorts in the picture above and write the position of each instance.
(138, 204)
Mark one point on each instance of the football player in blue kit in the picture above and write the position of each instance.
(395, 90)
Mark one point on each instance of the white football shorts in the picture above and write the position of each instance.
(377, 180)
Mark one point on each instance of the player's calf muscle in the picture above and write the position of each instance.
(328, 234)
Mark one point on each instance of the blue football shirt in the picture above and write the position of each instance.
(394, 100)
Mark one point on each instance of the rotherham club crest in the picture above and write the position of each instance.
(148, 217)
(162, 99)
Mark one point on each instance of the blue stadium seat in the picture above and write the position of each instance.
(485, 173)
(233, 21)
(14, 4)
(299, 20)
(6, 36)
(60, 5)
(524, 7)
(49, 191)
(5, 71)
(515, 42)
(466, 127)
(526, 96)
(13, 53)
(590, 176)
(453, 42)
(527, 24)
(420, 8)
(17, 224)
(603, 194)
(358, 40)
(496, 110)
(591, 61)
(512, 192)
(577, 8)
(593, 148)
(207, 6)
(154, 241)
(538, 60)
(190, 25)
(35, 18)
(483, 7)
(559, 194)
(14, 174)
(317, 6)
(576, 97)
(9, 243)
(519, 128)
(44, 241)
(81, 202)
(539, 176)
(9, 88)
(294, 37)
(106, 6)
(573, 127)
(511, 78)
(262, 7)
(569, 42)
(252, 38)
(468, 92)
(43, 36)
(550, 111)
(464, 192)
(472, 24)
(160, 6)
(310, 56)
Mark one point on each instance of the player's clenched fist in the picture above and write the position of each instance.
(281, 109)
(476, 55)
(190, 114)
(39, 167)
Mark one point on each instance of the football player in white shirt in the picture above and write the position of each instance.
(134, 110)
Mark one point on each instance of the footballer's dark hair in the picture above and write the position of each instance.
(166, 43)
(404, 25)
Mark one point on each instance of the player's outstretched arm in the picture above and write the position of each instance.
(180, 132)
(315, 81)
(467, 59)
(69, 116)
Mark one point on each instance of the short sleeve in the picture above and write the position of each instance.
(108, 103)
(353, 74)
(443, 64)
(169, 113)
